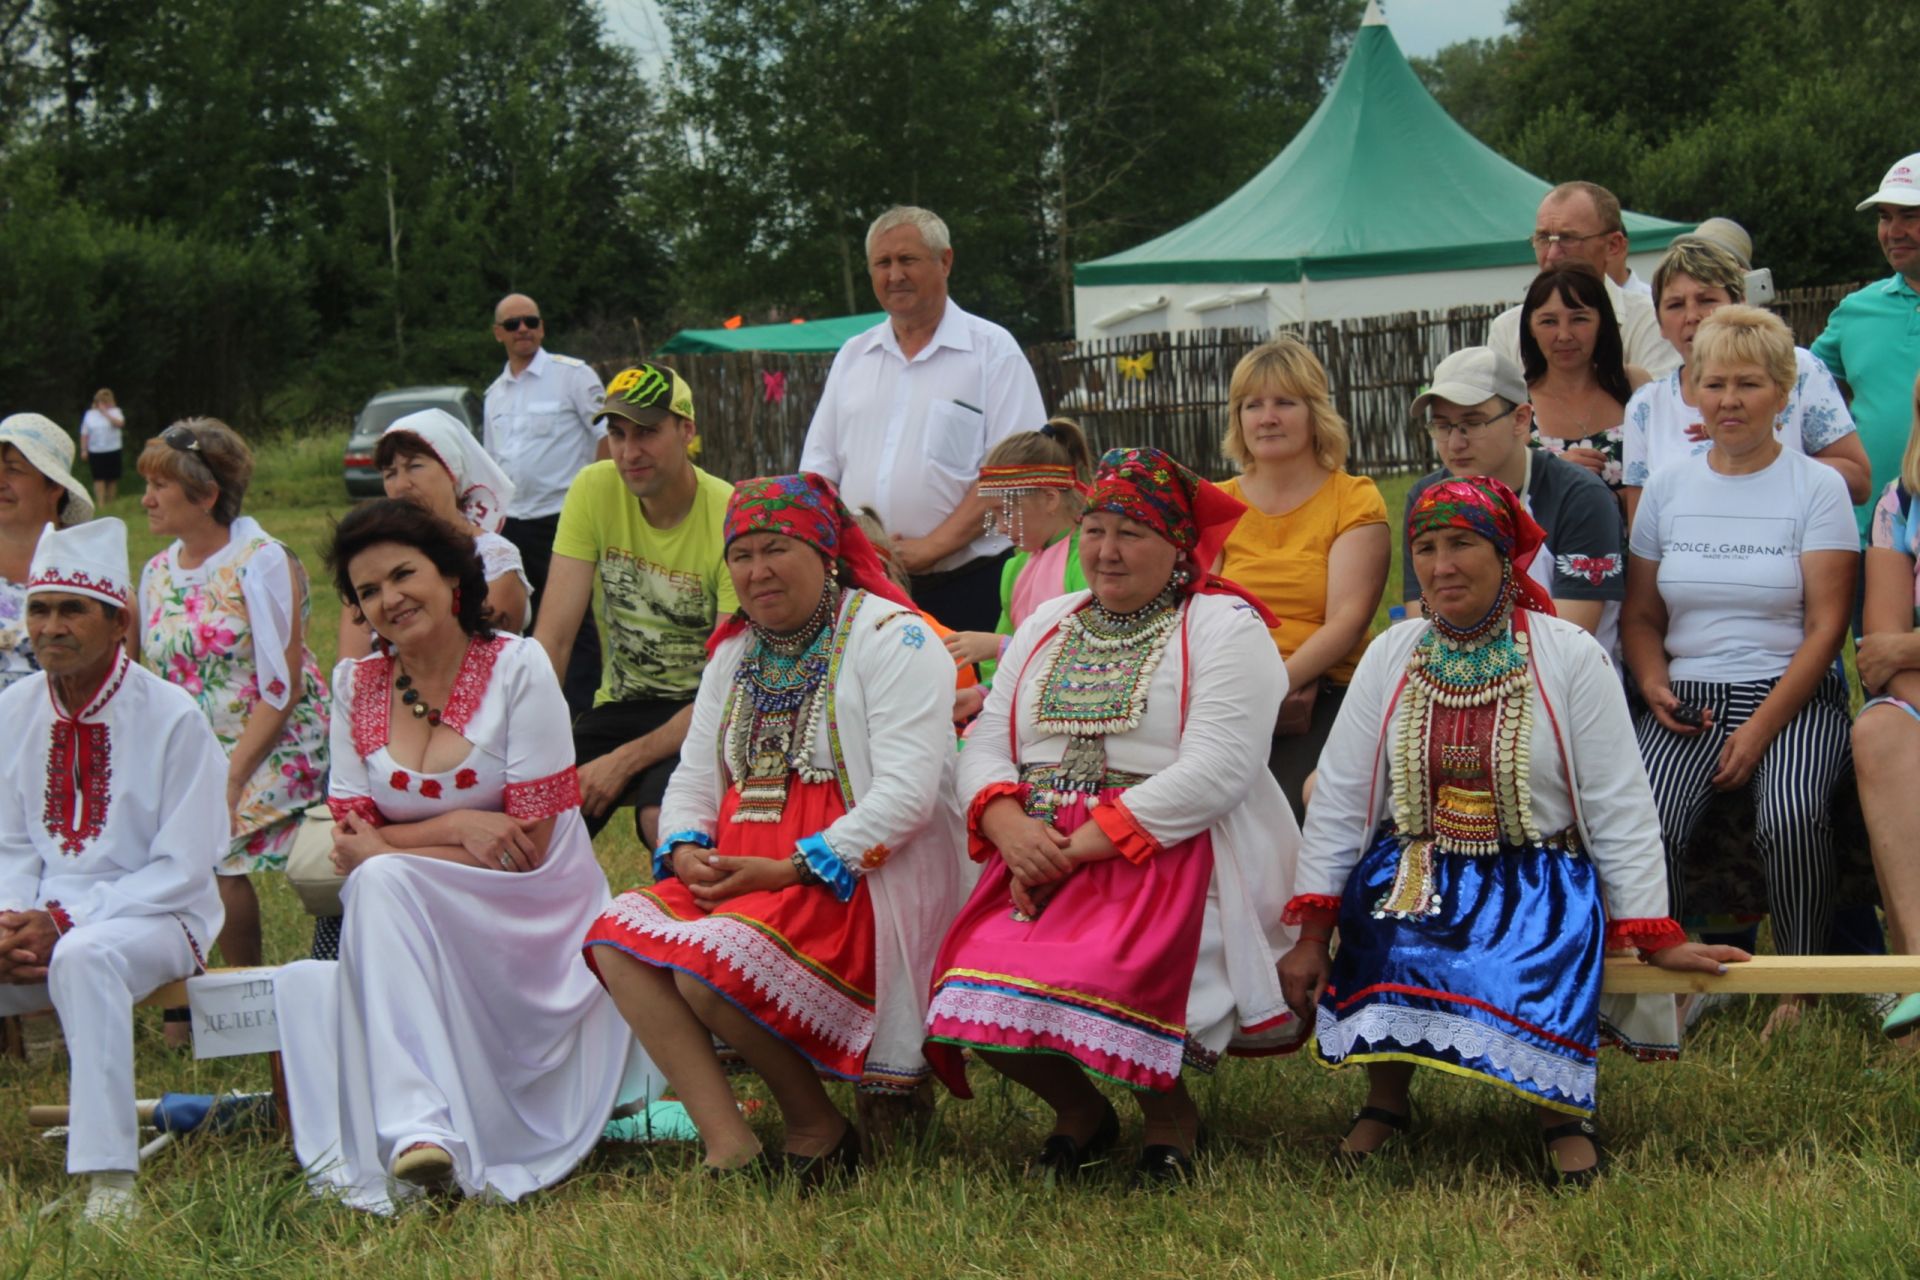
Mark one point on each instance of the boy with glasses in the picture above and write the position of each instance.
(1476, 412)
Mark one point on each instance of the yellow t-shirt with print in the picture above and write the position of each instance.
(656, 592)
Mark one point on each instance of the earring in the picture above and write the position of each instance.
(456, 601)
(1181, 578)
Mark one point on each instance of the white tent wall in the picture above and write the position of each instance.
(1130, 309)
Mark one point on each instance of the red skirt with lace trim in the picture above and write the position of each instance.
(797, 961)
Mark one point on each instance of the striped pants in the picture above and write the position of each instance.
(1792, 789)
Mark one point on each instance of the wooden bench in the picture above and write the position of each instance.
(168, 995)
(1773, 975)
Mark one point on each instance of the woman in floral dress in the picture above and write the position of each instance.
(223, 615)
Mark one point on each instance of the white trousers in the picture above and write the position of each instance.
(98, 972)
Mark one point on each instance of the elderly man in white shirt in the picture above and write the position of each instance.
(112, 812)
(909, 411)
(1581, 221)
(542, 427)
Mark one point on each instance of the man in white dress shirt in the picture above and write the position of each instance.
(112, 813)
(1581, 221)
(909, 411)
(542, 428)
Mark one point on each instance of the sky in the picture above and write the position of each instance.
(1420, 26)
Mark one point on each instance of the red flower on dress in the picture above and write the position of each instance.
(465, 779)
(430, 788)
(399, 780)
(277, 688)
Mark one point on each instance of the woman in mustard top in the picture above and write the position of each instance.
(1313, 544)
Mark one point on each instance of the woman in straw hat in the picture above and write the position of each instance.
(37, 489)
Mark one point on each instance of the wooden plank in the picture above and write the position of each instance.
(1774, 975)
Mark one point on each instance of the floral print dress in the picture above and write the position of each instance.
(199, 629)
(16, 651)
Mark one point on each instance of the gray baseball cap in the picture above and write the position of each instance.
(1473, 375)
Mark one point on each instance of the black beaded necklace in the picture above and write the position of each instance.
(414, 702)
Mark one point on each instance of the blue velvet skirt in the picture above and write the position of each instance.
(1501, 983)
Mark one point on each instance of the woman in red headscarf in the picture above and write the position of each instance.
(811, 854)
(1135, 851)
(1481, 835)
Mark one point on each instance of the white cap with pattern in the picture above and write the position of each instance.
(89, 560)
(1900, 186)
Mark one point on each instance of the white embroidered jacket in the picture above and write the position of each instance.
(119, 811)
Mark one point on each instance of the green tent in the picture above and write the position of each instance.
(807, 335)
(1379, 186)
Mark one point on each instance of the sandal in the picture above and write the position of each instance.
(1062, 1157)
(1380, 1115)
(1578, 1179)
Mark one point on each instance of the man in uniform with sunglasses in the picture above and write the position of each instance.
(1580, 222)
(542, 428)
(1477, 413)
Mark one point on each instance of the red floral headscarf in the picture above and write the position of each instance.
(1485, 506)
(1149, 487)
(807, 508)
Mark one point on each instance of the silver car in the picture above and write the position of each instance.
(363, 478)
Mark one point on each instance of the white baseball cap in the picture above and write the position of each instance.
(1900, 186)
(1473, 375)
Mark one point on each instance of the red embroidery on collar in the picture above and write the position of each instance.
(80, 765)
(470, 686)
(543, 797)
(373, 694)
(465, 779)
(372, 702)
(79, 769)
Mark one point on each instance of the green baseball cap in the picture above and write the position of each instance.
(646, 394)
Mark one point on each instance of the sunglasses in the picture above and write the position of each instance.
(181, 438)
(512, 324)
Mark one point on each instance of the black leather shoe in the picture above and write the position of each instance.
(1061, 1157)
(1577, 1179)
(811, 1172)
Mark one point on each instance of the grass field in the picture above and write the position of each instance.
(1798, 1158)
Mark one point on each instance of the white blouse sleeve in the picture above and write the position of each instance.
(266, 584)
(541, 781)
(1233, 696)
(349, 785)
(906, 675)
(690, 810)
(1340, 819)
(986, 759)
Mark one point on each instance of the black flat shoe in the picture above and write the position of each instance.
(1061, 1157)
(1380, 1115)
(1165, 1166)
(811, 1172)
(1579, 1179)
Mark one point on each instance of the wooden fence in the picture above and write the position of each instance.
(1163, 389)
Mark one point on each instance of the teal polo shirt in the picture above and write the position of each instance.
(1872, 343)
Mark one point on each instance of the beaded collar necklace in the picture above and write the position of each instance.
(774, 715)
(1467, 702)
(1096, 680)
